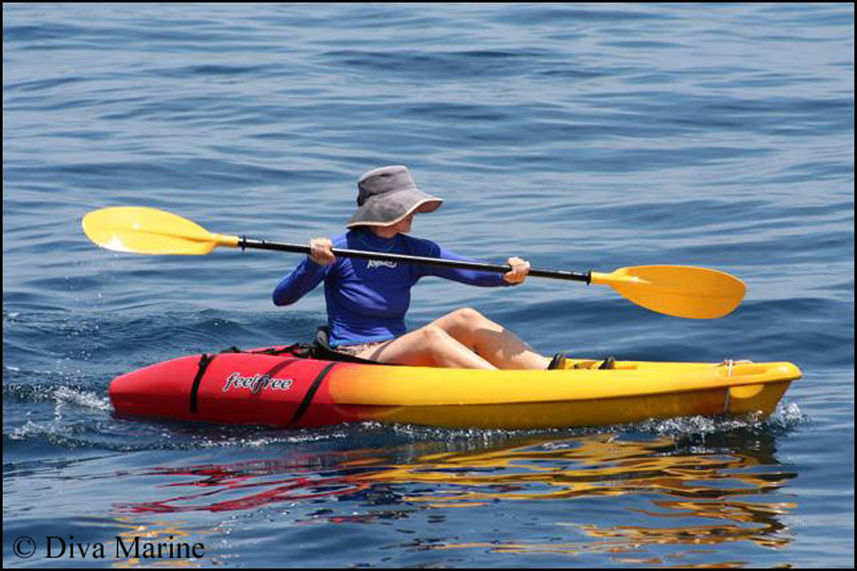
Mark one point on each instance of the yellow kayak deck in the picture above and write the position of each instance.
(580, 395)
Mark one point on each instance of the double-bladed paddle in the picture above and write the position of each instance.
(681, 291)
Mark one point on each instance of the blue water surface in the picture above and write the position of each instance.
(579, 136)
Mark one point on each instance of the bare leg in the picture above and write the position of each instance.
(492, 341)
(429, 346)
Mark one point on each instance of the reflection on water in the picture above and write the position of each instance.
(675, 493)
(157, 532)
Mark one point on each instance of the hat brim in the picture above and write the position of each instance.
(392, 208)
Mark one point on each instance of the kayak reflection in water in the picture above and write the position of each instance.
(367, 299)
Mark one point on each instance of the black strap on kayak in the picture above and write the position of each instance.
(302, 408)
(300, 350)
(204, 361)
(206, 358)
(318, 349)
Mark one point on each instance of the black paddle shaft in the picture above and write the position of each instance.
(245, 242)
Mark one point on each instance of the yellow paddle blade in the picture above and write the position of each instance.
(142, 230)
(682, 291)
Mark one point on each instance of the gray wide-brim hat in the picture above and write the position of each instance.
(387, 196)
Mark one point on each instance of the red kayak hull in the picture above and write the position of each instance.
(237, 388)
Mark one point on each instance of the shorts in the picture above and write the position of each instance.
(356, 349)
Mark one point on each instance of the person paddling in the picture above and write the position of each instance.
(367, 299)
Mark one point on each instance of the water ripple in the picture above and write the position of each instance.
(578, 136)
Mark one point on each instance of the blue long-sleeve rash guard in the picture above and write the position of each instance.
(367, 299)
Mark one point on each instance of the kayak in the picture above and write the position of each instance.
(274, 387)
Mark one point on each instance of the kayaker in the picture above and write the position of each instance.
(367, 299)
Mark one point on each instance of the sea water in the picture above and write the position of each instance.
(577, 136)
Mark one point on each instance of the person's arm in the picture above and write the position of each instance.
(520, 268)
(307, 275)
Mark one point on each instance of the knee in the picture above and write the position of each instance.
(432, 334)
(467, 315)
